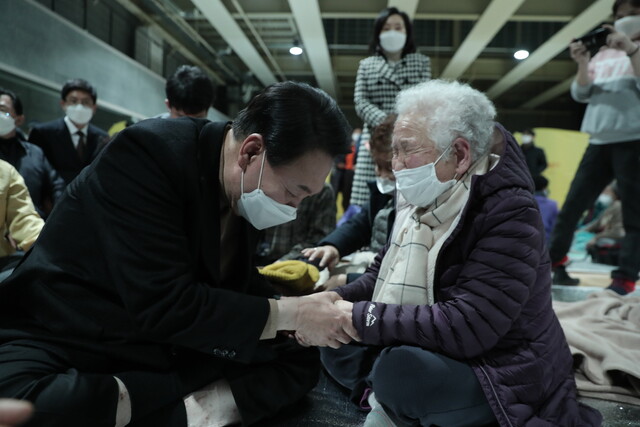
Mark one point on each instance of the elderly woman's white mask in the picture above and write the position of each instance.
(420, 186)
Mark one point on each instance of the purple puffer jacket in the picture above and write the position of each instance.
(493, 309)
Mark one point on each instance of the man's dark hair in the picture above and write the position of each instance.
(190, 90)
(17, 104)
(618, 3)
(78, 84)
(294, 119)
(374, 45)
(529, 131)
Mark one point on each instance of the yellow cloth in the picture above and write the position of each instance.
(297, 277)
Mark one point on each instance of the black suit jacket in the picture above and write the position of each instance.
(55, 140)
(128, 264)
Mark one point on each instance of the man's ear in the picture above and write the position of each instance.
(62, 104)
(252, 146)
(19, 120)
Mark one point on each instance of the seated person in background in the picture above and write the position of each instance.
(316, 216)
(370, 227)
(608, 229)
(44, 184)
(548, 207)
(71, 143)
(535, 157)
(454, 316)
(189, 92)
(21, 224)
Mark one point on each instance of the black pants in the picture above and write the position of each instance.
(600, 165)
(67, 392)
(415, 386)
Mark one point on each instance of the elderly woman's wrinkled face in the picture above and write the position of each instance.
(412, 147)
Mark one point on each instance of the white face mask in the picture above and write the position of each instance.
(385, 185)
(261, 210)
(7, 124)
(420, 186)
(527, 139)
(79, 113)
(629, 25)
(392, 41)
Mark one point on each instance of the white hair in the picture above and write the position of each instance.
(448, 110)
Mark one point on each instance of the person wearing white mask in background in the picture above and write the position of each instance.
(610, 84)
(71, 143)
(394, 65)
(367, 231)
(535, 157)
(43, 181)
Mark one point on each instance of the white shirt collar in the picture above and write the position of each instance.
(73, 128)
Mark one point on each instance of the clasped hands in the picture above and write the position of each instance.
(322, 319)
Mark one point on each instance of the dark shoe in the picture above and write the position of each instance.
(622, 286)
(561, 277)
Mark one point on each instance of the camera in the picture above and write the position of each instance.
(594, 40)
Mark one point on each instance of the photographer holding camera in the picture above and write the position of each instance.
(610, 84)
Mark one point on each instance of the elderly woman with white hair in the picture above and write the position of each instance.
(454, 317)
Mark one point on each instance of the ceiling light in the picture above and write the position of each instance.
(295, 50)
(521, 54)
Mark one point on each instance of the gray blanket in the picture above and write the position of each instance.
(603, 332)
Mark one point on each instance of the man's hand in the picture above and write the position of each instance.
(14, 412)
(321, 323)
(329, 255)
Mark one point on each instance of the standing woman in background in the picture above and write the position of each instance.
(393, 66)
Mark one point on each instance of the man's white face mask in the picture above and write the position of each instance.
(7, 123)
(261, 210)
(527, 139)
(420, 186)
(79, 114)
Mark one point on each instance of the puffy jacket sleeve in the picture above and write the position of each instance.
(483, 299)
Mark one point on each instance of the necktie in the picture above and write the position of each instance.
(81, 145)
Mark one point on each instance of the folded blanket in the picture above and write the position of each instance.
(603, 333)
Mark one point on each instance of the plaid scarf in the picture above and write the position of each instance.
(407, 269)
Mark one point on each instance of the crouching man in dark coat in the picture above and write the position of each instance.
(140, 304)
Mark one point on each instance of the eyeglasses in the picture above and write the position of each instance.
(400, 157)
